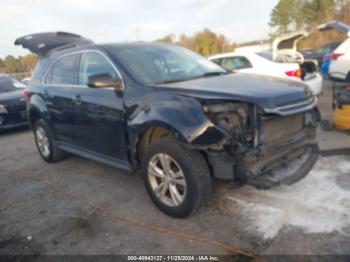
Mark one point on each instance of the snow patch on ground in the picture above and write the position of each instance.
(316, 204)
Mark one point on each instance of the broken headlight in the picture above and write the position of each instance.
(228, 116)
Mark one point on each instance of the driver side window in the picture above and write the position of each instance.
(93, 63)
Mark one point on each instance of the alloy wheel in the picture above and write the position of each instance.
(43, 141)
(167, 180)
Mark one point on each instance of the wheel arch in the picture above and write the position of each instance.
(37, 110)
(149, 133)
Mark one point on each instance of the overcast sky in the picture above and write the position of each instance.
(125, 20)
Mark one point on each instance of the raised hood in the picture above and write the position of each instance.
(339, 26)
(269, 93)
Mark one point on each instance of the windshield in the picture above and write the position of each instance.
(9, 84)
(154, 64)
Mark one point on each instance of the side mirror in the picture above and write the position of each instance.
(105, 81)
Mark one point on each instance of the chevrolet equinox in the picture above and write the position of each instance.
(170, 113)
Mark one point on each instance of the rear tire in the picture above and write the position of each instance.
(45, 143)
(183, 185)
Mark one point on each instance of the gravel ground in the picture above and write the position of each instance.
(81, 207)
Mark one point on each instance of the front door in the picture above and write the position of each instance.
(99, 119)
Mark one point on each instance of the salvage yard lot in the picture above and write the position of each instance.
(81, 207)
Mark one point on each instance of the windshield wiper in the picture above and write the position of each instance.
(209, 74)
(217, 73)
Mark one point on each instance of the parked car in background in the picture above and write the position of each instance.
(12, 103)
(339, 67)
(262, 63)
(319, 54)
(171, 113)
(25, 81)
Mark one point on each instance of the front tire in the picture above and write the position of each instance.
(177, 178)
(45, 143)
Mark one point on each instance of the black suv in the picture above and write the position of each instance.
(179, 118)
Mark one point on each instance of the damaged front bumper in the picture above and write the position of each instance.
(265, 166)
(284, 163)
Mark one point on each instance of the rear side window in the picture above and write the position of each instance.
(266, 55)
(235, 63)
(93, 63)
(63, 72)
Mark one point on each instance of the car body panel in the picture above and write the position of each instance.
(247, 88)
(99, 123)
(182, 115)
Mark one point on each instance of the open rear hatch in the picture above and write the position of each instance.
(41, 44)
(339, 26)
(285, 50)
(284, 47)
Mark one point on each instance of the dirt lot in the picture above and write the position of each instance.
(81, 207)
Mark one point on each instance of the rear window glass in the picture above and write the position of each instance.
(266, 55)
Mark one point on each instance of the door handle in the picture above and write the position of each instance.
(78, 100)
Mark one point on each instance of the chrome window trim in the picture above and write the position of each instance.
(79, 53)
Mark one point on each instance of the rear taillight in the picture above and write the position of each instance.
(26, 94)
(335, 56)
(294, 73)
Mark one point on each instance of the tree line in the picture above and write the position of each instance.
(11, 64)
(204, 42)
(294, 15)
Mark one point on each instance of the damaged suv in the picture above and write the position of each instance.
(162, 109)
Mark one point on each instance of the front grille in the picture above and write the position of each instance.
(15, 106)
(277, 128)
(294, 108)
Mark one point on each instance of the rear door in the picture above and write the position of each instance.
(60, 83)
(99, 119)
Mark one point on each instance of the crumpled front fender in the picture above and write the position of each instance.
(181, 115)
